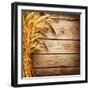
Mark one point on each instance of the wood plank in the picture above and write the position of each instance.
(57, 71)
(40, 61)
(59, 46)
(64, 30)
(66, 15)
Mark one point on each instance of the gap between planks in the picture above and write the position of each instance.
(60, 39)
(52, 53)
(55, 67)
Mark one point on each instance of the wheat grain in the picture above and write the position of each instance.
(34, 24)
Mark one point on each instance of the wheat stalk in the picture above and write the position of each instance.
(34, 25)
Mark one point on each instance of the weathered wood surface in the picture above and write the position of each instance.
(59, 46)
(64, 29)
(57, 71)
(65, 16)
(40, 61)
(62, 38)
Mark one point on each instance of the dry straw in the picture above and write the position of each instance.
(35, 25)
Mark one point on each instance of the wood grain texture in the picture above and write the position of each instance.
(65, 16)
(64, 30)
(62, 38)
(59, 46)
(59, 52)
(40, 61)
(57, 71)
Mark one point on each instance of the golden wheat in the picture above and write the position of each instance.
(35, 24)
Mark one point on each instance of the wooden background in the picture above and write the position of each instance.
(62, 55)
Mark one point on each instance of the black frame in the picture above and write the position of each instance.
(14, 46)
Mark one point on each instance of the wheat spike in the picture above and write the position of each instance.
(34, 25)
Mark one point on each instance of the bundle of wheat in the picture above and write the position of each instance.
(35, 24)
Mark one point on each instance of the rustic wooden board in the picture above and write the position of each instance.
(65, 16)
(59, 46)
(64, 29)
(40, 61)
(57, 71)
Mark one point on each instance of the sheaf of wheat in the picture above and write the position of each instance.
(35, 24)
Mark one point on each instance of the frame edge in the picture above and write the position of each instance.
(14, 45)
